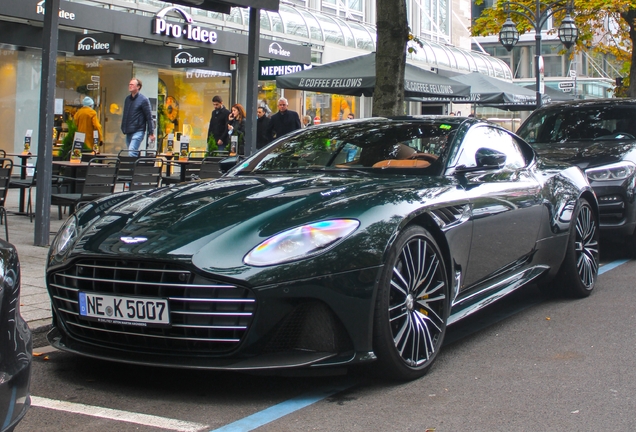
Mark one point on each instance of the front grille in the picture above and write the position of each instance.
(206, 316)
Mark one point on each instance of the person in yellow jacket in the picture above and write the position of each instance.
(86, 121)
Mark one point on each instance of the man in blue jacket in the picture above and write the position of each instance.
(137, 118)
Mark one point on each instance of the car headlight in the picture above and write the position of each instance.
(300, 242)
(65, 237)
(617, 171)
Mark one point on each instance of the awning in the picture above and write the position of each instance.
(555, 95)
(486, 90)
(356, 77)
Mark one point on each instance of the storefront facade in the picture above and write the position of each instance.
(181, 63)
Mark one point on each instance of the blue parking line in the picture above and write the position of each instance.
(611, 266)
(282, 409)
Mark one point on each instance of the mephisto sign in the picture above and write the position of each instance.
(187, 31)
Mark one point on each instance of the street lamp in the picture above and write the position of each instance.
(568, 33)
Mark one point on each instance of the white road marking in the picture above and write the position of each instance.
(118, 415)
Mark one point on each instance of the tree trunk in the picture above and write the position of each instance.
(630, 17)
(390, 57)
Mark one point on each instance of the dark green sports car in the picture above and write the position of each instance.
(352, 242)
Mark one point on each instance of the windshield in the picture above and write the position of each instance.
(419, 146)
(580, 123)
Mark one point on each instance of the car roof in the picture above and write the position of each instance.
(583, 103)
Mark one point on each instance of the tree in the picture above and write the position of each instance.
(390, 57)
(595, 34)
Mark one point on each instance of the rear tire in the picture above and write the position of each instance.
(412, 306)
(579, 270)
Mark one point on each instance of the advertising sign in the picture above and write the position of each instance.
(270, 69)
(190, 58)
(78, 145)
(96, 44)
(285, 51)
(184, 147)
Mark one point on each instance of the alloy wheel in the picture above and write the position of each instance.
(586, 245)
(417, 302)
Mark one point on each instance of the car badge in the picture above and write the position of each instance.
(133, 240)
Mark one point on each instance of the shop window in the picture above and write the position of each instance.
(184, 104)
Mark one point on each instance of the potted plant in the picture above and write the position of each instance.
(212, 146)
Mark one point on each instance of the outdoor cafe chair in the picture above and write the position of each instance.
(188, 170)
(210, 168)
(100, 180)
(6, 166)
(127, 163)
(146, 174)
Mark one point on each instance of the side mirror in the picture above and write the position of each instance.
(489, 158)
(229, 162)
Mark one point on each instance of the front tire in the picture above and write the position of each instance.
(412, 306)
(579, 270)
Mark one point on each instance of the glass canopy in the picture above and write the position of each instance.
(309, 27)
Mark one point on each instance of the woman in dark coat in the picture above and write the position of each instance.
(236, 128)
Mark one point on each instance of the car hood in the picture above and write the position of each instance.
(587, 154)
(214, 224)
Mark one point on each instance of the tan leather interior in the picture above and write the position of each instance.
(401, 163)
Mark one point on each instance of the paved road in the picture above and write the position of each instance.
(526, 363)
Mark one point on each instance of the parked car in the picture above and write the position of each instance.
(598, 135)
(15, 343)
(346, 243)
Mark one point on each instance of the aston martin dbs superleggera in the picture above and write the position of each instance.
(347, 243)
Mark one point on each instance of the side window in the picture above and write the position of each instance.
(492, 138)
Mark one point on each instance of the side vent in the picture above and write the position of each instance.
(445, 216)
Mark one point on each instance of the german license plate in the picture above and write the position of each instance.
(133, 311)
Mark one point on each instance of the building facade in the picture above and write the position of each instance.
(184, 56)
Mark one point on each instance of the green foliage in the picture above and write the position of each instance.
(413, 40)
(591, 18)
(67, 142)
(162, 120)
(212, 145)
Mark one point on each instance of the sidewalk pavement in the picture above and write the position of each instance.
(35, 305)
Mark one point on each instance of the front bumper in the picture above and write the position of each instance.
(617, 207)
(315, 322)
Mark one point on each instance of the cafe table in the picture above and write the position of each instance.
(72, 171)
(185, 166)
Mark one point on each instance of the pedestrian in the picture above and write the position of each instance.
(86, 121)
(349, 116)
(218, 123)
(261, 128)
(236, 128)
(283, 122)
(306, 121)
(137, 118)
(265, 105)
